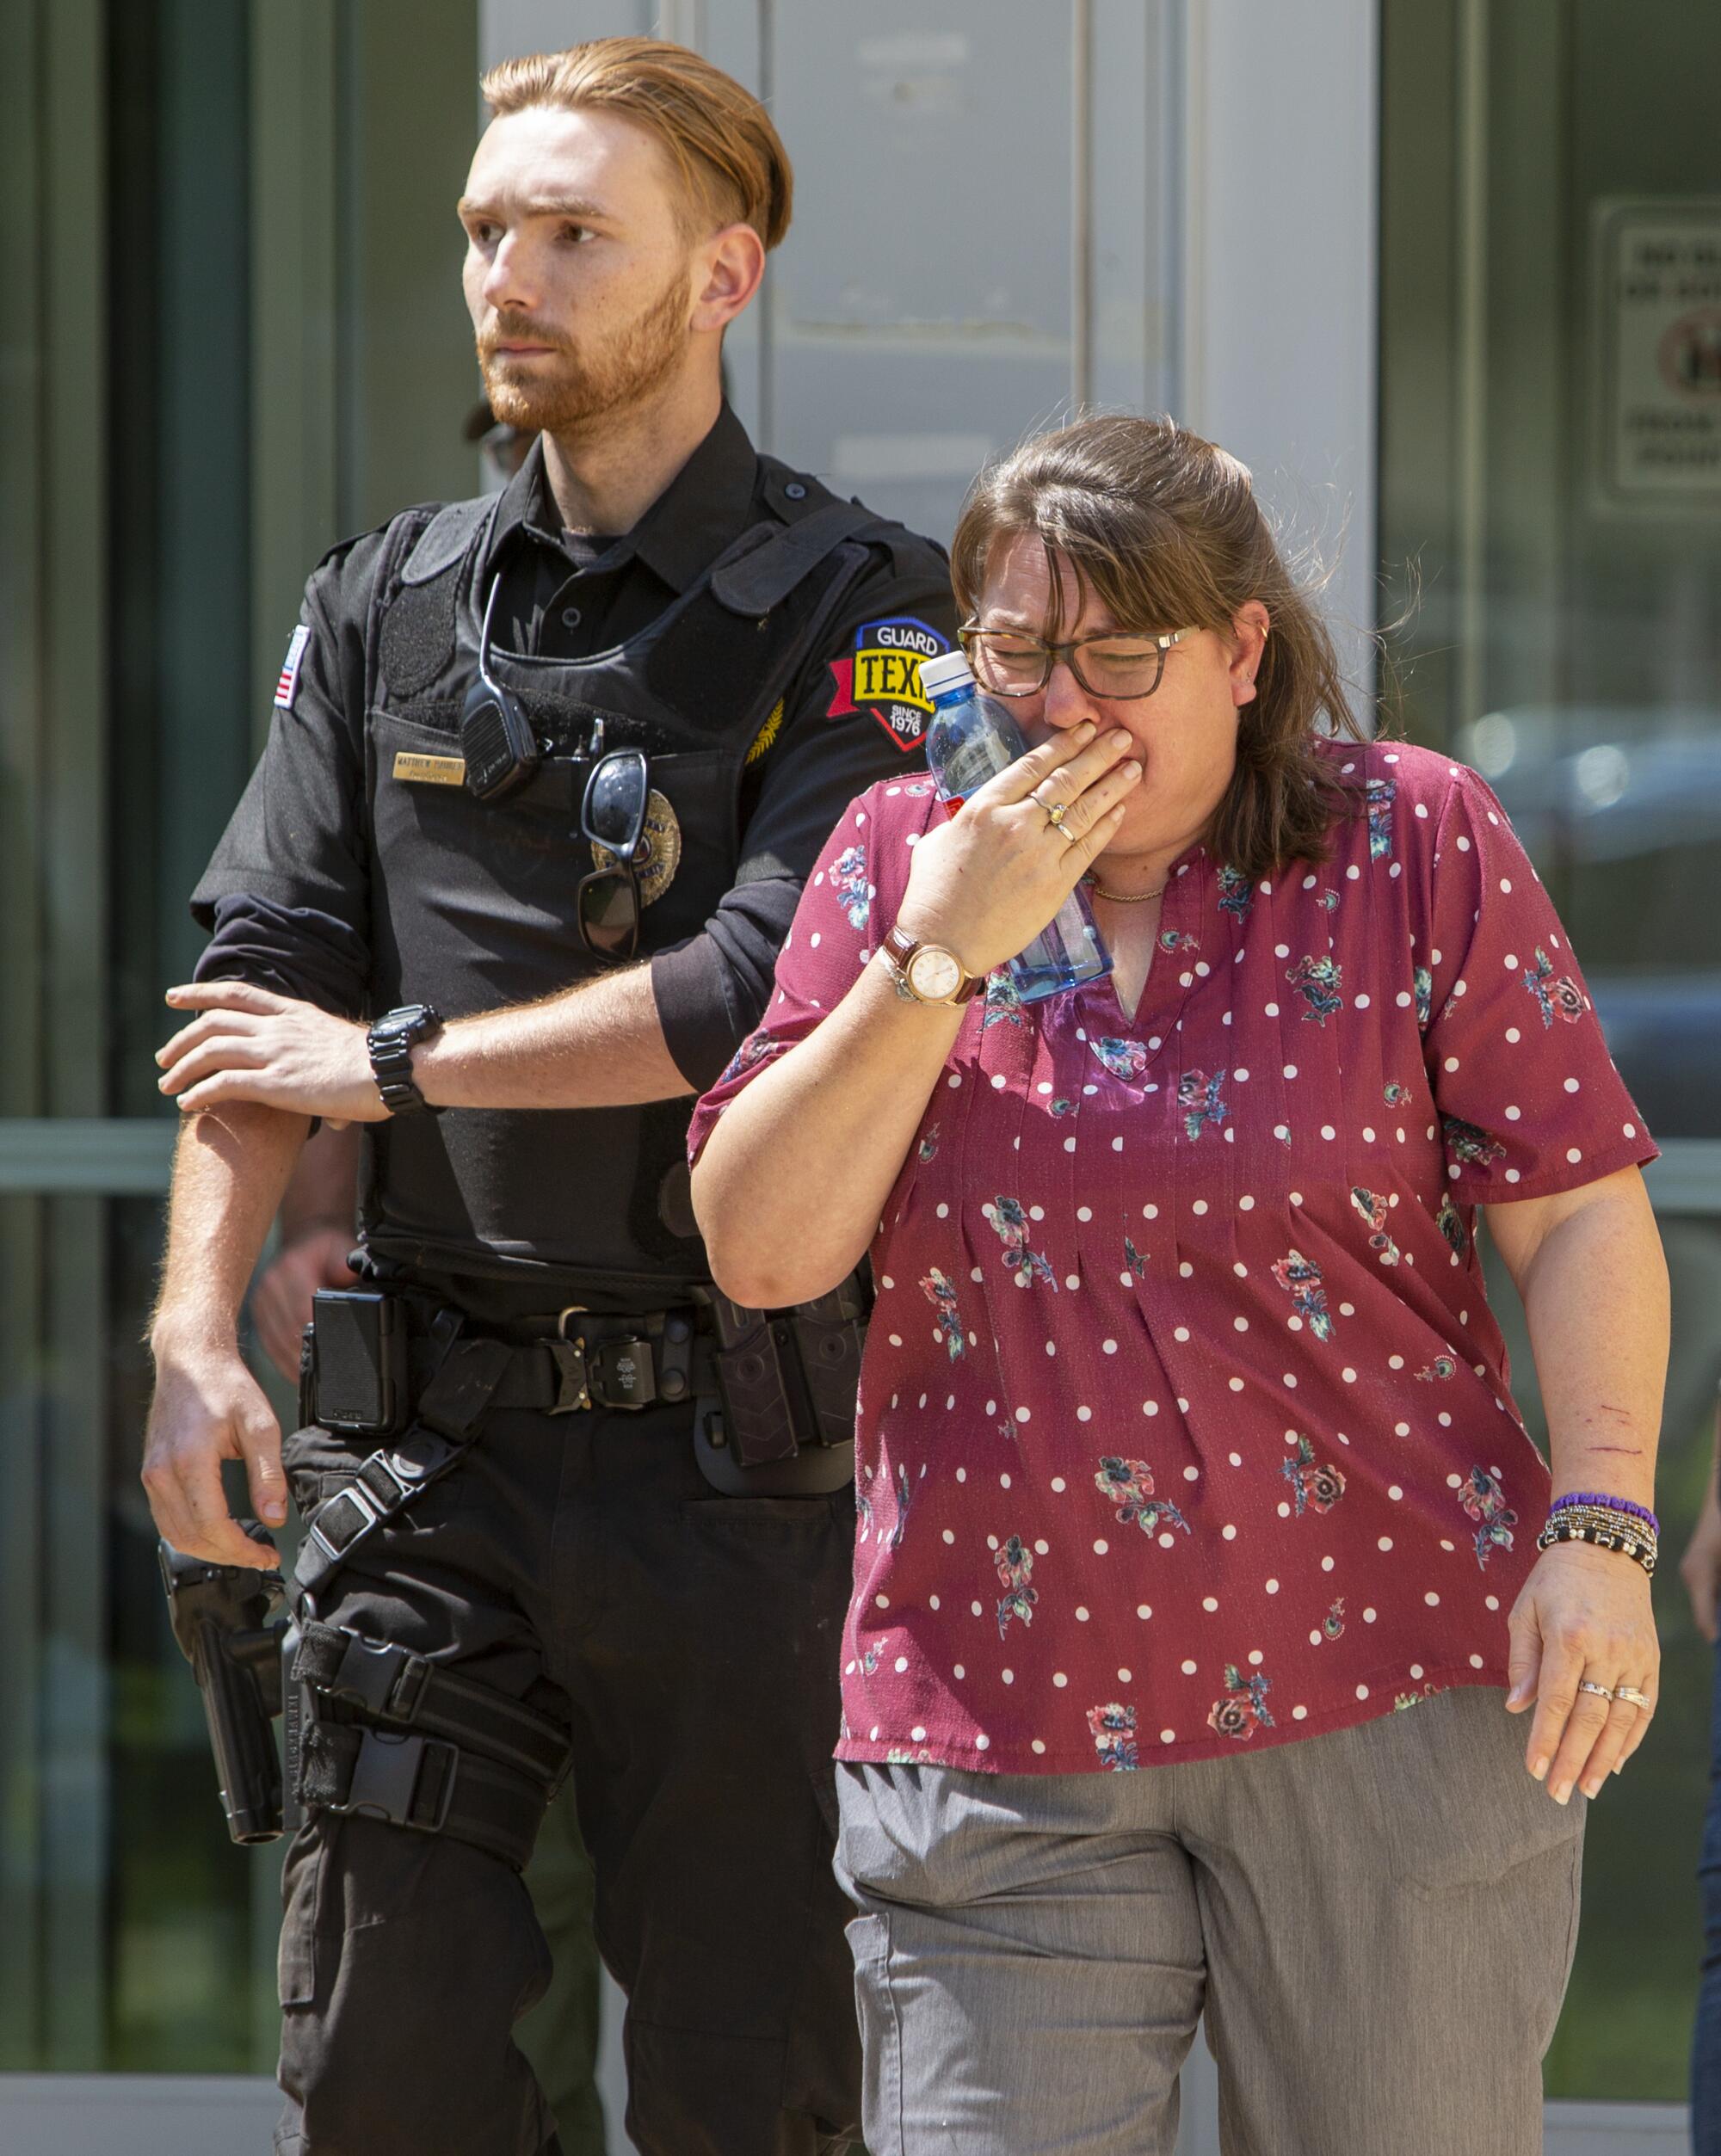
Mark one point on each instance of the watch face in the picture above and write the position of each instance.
(934, 974)
(402, 1024)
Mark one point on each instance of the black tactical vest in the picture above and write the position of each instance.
(472, 904)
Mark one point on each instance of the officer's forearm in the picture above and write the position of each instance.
(793, 1182)
(230, 1168)
(599, 1046)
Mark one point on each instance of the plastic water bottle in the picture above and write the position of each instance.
(973, 737)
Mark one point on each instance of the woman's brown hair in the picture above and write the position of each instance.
(1166, 529)
(731, 161)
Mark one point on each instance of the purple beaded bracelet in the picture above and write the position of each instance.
(1608, 1503)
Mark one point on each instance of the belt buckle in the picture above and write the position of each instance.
(574, 1390)
(386, 1776)
(358, 1499)
(627, 1373)
(380, 1675)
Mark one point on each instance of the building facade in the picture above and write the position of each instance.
(1444, 274)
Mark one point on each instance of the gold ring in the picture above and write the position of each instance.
(1055, 814)
(1630, 1693)
(1587, 1685)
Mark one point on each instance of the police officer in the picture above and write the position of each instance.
(561, 2035)
(563, 1507)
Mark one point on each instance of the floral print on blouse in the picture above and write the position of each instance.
(1181, 1348)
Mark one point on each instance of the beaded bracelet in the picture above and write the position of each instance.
(1606, 1504)
(1601, 1538)
(1640, 1553)
(1602, 1516)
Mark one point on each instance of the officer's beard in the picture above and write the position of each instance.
(583, 386)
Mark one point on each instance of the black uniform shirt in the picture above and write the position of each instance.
(287, 903)
(288, 892)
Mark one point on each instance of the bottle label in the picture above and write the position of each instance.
(881, 677)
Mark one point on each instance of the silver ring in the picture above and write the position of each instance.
(1631, 1693)
(1602, 1691)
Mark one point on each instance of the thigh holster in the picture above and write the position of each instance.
(395, 1737)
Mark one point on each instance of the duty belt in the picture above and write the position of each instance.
(378, 1731)
(641, 1361)
(460, 1377)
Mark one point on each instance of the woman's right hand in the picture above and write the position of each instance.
(985, 882)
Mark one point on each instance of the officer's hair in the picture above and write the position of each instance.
(733, 167)
(1166, 530)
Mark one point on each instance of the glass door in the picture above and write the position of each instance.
(230, 312)
(1551, 513)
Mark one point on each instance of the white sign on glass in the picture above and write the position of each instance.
(1658, 353)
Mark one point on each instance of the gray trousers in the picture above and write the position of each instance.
(1377, 1926)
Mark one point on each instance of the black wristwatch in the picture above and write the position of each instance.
(392, 1039)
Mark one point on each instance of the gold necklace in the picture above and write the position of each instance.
(1122, 897)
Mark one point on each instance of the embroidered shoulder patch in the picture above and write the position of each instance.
(287, 686)
(881, 677)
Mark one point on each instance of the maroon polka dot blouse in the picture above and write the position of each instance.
(1184, 1426)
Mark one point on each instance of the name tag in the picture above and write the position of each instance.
(430, 771)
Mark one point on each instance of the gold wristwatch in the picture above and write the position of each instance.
(927, 972)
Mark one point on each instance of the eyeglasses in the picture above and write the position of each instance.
(613, 816)
(1116, 663)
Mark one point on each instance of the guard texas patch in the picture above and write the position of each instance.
(882, 677)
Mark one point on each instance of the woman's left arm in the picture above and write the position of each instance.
(1589, 1266)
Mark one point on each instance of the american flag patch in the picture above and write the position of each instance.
(288, 683)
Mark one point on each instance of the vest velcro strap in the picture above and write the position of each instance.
(446, 538)
(395, 1684)
(423, 1785)
(761, 579)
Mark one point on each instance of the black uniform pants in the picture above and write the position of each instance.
(582, 1564)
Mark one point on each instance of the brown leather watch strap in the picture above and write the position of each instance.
(900, 948)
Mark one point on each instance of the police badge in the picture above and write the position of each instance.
(658, 854)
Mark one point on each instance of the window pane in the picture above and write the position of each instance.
(896, 362)
(141, 167)
(1551, 486)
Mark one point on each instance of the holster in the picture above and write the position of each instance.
(781, 1423)
(223, 1619)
